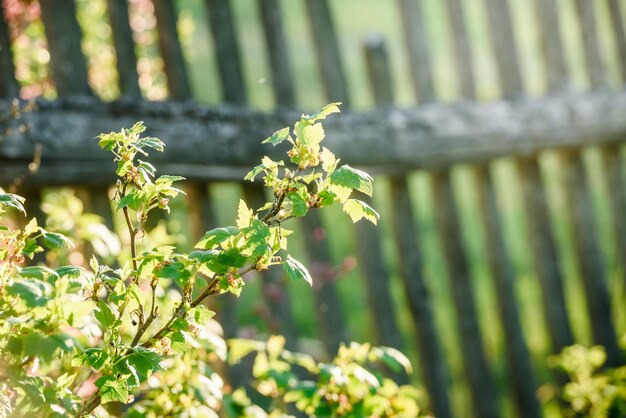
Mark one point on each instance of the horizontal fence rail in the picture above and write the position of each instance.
(209, 144)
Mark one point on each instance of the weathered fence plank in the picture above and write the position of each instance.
(596, 70)
(329, 58)
(551, 44)
(124, 48)
(481, 384)
(433, 366)
(462, 50)
(617, 24)
(505, 48)
(228, 52)
(542, 243)
(171, 51)
(69, 69)
(589, 257)
(8, 85)
(417, 50)
(277, 50)
(503, 274)
(226, 142)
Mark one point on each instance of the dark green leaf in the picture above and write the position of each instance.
(145, 362)
(352, 178)
(327, 198)
(37, 272)
(296, 271)
(95, 357)
(69, 271)
(231, 258)
(104, 315)
(53, 240)
(32, 292)
(298, 204)
(217, 236)
(13, 201)
(133, 200)
(31, 248)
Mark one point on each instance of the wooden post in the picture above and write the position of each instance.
(63, 34)
(505, 48)
(518, 359)
(124, 48)
(481, 385)
(433, 366)
(417, 48)
(542, 242)
(462, 49)
(617, 23)
(8, 85)
(329, 58)
(547, 14)
(589, 257)
(591, 45)
(171, 51)
(227, 47)
(277, 49)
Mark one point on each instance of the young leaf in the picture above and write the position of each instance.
(13, 201)
(277, 137)
(53, 240)
(201, 314)
(104, 315)
(216, 236)
(353, 178)
(358, 210)
(112, 390)
(95, 357)
(296, 271)
(145, 362)
(326, 110)
(244, 215)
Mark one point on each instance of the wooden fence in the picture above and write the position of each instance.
(219, 144)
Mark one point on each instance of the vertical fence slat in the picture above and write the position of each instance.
(617, 23)
(551, 44)
(417, 50)
(462, 49)
(613, 168)
(505, 48)
(8, 84)
(228, 52)
(542, 242)
(517, 356)
(434, 368)
(330, 60)
(69, 69)
(589, 257)
(596, 70)
(276, 296)
(124, 48)
(481, 385)
(273, 28)
(171, 51)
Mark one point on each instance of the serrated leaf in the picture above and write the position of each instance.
(277, 137)
(298, 203)
(312, 135)
(104, 315)
(32, 292)
(145, 362)
(254, 172)
(322, 114)
(353, 178)
(201, 314)
(231, 258)
(112, 390)
(37, 272)
(69, 271)
(328, 159)
(13, 201)
(178, 342)
(244, 215)
(359, 210)
(216, 236)
(132, 200)
(296, 270)
(53, 240)
(95, 357)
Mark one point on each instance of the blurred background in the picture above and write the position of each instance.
(467, 54)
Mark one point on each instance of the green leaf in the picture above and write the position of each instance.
(359, 210)
(95, 357)
(298, 203)
(254, 172)
(179, 342)
(112, 390)
(13, 201)
(32, 292)
(216, 236)
(326, 110)
(151, 142)
(277, 137)
(53, 240)
(296, 271)
(37, 272)
(244, 215)
(176, 271)
(353, 178)
(70, 271)
(145, 362)
(133, 200)
(201, 314)
(327, 198)
(104, 315)
(31, 248)
(395, 359)
(231, 258)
